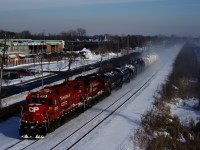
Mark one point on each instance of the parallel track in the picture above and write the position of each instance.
(92, 119)
(104, 110)
(20, 143)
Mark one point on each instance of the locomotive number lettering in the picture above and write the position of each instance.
(56, 108)
(65, 96)
(64, 103)
(33, 109)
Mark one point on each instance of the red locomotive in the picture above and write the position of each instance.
(46, 109)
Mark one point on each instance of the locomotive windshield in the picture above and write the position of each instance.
(76, 87)
(34, 100)
(42, 99)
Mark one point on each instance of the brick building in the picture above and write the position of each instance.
(20, 49)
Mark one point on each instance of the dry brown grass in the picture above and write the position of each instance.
(158, 119)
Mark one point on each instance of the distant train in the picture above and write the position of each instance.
(47, 108)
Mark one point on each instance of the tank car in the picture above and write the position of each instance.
(132, 70)
(138, 63)
(114, 79)
(149, 59)
(124, 72)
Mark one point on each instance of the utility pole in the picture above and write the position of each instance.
(2, 62)
(43, 43)
(41, 63)
(70, 62)
(128, 45)
(117, 48)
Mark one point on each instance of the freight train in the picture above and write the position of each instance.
(47, 108)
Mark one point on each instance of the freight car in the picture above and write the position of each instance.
(132, 70)
(114, 79)
(125, 73)
(46, 108)
(149, 59)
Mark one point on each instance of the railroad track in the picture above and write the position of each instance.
(87, 128)
(22, 144)
(117, 105)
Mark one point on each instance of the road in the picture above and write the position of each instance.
(37, 82)
(58, 75)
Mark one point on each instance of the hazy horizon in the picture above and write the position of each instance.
(117, 17)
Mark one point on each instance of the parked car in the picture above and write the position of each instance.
(26, 72)
(11, 75)
(35, 71)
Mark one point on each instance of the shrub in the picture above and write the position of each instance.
(158, 119)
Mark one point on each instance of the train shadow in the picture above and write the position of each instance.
(9, 127)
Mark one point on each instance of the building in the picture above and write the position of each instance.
(19, 49)
(13, 58)
(29, 46)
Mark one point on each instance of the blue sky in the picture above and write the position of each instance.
(146, 17)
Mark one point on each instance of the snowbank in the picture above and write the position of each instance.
(184, 109)
(89, 55)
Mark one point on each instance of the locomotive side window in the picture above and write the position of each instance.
(76, 87)
(34, 100)
(28, 101)
(50, 102)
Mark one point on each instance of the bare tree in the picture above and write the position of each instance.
(72, 33)
(25, 34)
(81, 32)
(59, 64)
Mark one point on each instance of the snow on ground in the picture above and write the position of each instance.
(53, 66)
(62, 65)
(184, 109)
(89, 55)
(22, 96)
(114, 133)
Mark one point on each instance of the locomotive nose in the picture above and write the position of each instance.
(33, 122)
(36, 113)
(35, 108)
